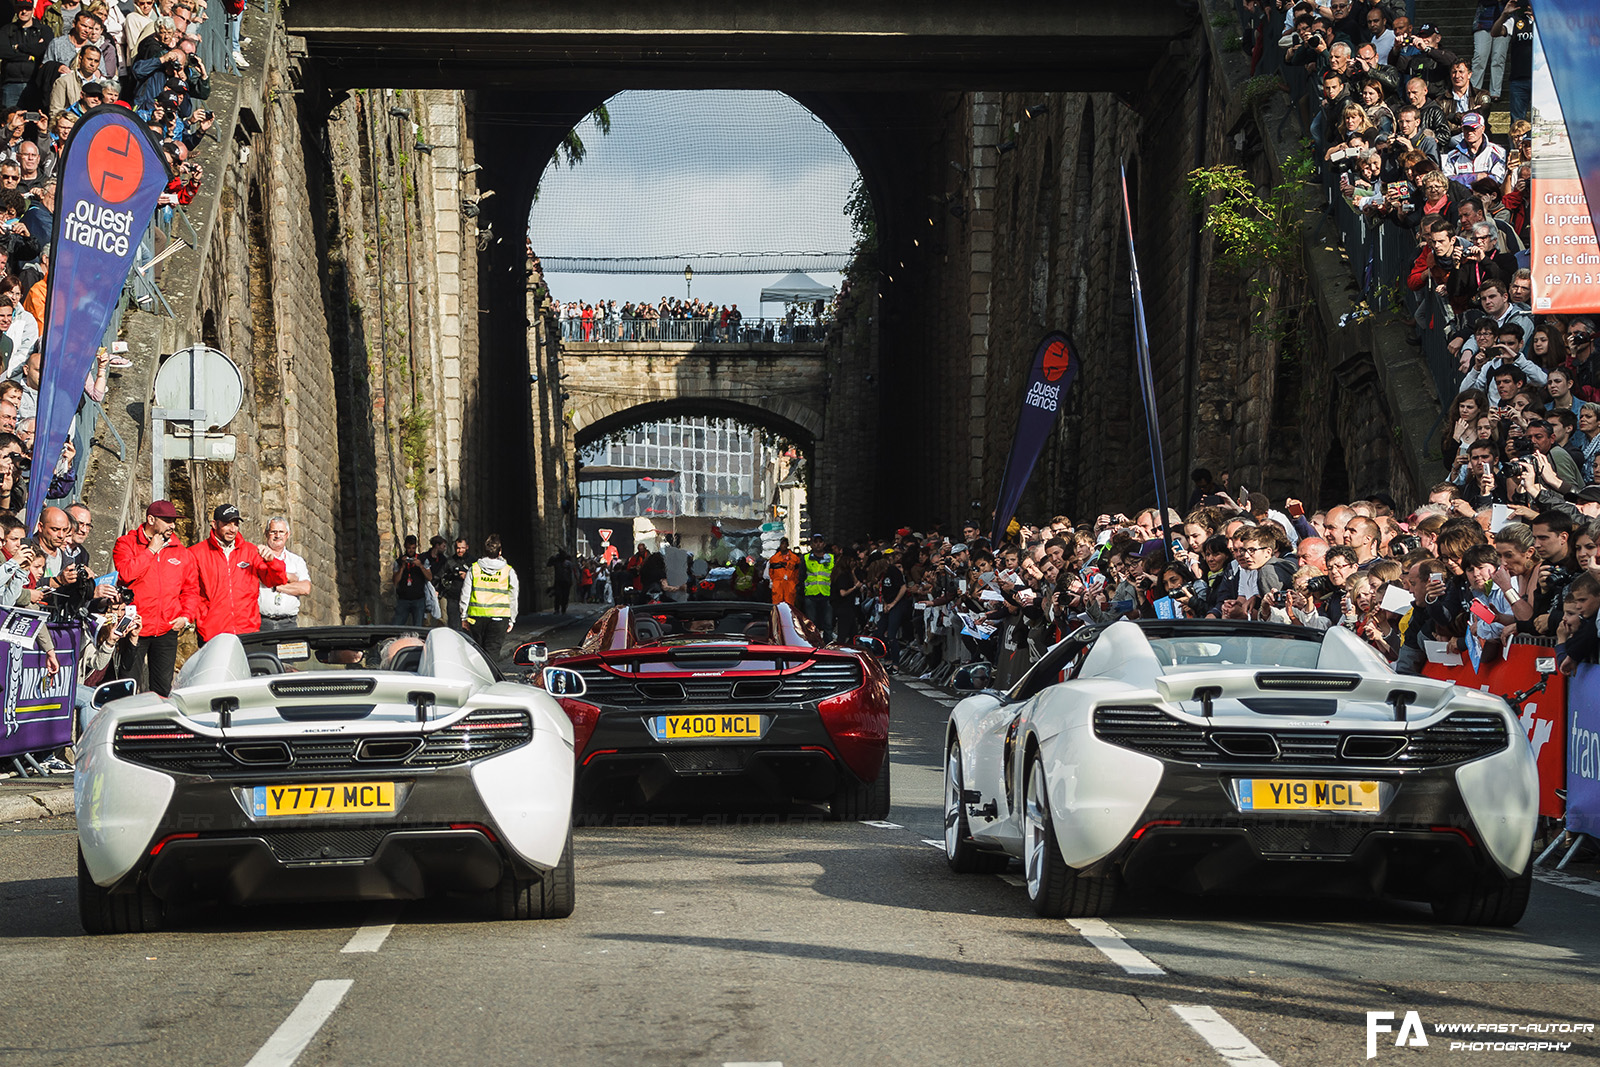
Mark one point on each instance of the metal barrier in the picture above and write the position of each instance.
(698, 331)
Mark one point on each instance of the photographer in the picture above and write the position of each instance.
(410, 574)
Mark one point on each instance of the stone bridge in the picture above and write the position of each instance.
(611, 385)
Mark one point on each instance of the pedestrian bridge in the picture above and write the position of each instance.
(833, 44)
(612, 385)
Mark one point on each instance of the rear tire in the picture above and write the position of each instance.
(1055, 889)
(854, 799)
(1491, 899)
(960, 853)
(103, 912)
(549, 897)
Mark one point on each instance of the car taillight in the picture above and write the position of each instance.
(858, 723)
(584, 719)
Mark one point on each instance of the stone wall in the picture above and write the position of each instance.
(356, 422)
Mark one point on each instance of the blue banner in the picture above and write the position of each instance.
(1583, 751)
(107, 182)
(1055, 365)
(1147, 378)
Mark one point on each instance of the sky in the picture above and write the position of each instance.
(687, 173)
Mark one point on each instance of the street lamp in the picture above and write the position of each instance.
(688, 282)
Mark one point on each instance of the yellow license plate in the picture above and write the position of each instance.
(1300, 794)
(685, 727)
(363, 798)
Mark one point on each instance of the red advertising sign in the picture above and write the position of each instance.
(1543, 716)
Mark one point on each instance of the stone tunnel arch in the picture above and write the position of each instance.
(781, 416)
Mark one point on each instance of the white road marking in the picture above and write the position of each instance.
(1012, 879)
(880, 824)
(370, 937)
(291, 1039)
(1221, 1035)
(1102, 936)
(753, 1063)
(1567, 881)
(935, 842)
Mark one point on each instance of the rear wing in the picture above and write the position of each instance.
(1401, 692)
(323, 696)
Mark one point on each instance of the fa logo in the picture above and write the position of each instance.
(1411, 1033)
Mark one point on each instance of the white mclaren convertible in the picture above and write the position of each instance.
(354, 763)
(1208, 756)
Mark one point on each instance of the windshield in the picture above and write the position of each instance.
(676, 627)
(357, 649)
(1235, 650)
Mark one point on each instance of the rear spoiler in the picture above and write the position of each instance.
(320, 696)
(1398, 691)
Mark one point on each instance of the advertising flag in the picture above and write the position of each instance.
(107, 183)
(1564, 256)
(1055, 365)
(1147, 378)
(1583, 751)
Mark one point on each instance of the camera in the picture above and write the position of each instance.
(1522, 446)
(1319, 585)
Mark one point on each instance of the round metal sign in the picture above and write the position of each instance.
(200, 378)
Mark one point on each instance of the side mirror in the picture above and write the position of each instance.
(115, 690)
(973, 678)
(871, 645)
(561, 682)
(532, 654)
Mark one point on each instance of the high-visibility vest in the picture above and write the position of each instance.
(819, 574)
(491, 594)
(744, 579)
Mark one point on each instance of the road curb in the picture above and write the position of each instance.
(36, 805)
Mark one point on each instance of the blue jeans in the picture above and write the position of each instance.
(411, 612)
(1520, 91)
(11, 93)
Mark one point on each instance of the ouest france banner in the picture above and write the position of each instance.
(1055, 365)
(107, 183)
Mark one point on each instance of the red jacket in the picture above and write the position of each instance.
(165, 586)
(230, 586)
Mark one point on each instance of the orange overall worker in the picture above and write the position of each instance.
(783, 573)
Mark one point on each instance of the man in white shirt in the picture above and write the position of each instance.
(280, 604)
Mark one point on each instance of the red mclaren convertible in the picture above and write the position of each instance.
(714, 700)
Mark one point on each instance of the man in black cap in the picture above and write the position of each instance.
(232, 572)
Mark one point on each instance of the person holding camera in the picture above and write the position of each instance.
(160, 574)
(411, 573)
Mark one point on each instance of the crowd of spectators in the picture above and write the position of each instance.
(670, 319)
(1455, 570)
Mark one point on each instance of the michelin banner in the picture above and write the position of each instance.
(107, 182)
(38, 705)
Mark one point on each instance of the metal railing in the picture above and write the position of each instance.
(702, 331)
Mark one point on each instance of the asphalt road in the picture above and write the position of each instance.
(777, 938)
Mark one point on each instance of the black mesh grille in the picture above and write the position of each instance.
(1460, 737)
(1308, 840)
(168, 746)
(294, 847)
(822, 679)
(714, 760)
(1466, 735)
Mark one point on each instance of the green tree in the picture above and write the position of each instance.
(571, 151)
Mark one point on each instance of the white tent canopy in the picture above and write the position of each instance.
(795, 287)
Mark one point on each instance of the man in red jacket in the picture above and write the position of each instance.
(160, 572)
(232, 572)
